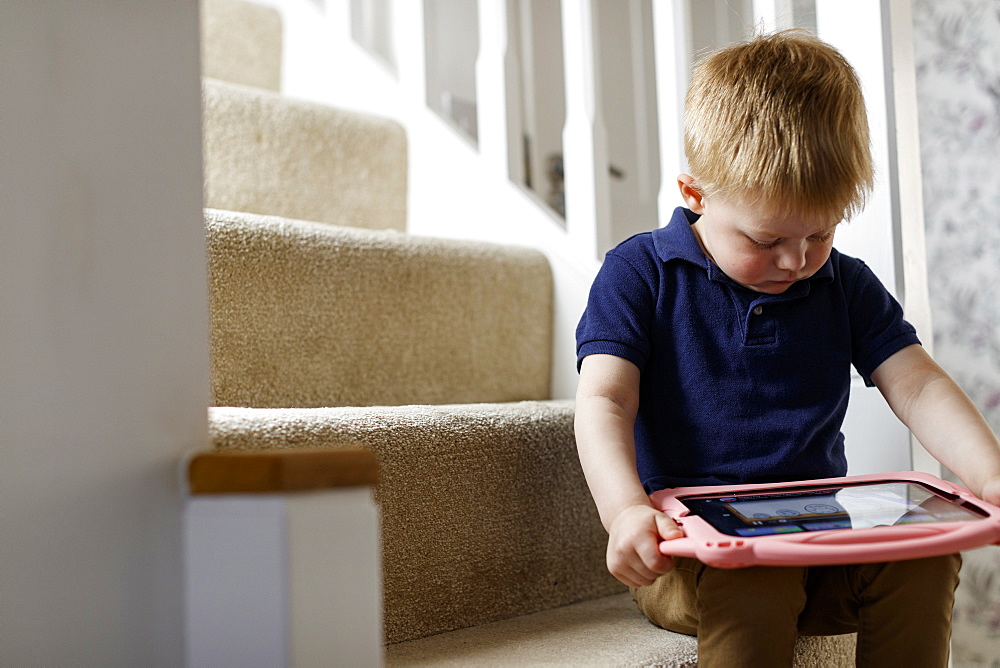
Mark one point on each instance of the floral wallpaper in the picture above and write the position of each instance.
(957, 45)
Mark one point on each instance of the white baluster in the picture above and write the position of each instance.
(772, 15)
(585, 151)
(340, 15)
(857, 28)
(672, 46)
(408, 34)
(909, 178)
(911, 201)
(642, 73)
(497, 87)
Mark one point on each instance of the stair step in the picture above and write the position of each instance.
(484, 508)
(492, 550)
(307, 314)
(241, 43)
(268, 154)
(606, 631)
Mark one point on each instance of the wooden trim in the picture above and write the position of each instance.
(275, 471)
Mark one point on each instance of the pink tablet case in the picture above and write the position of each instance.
(847, 546)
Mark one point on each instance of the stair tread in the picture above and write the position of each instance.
(606, 631)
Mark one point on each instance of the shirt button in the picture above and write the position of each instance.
(758, 310)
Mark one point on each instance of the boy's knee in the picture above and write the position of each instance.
(763, 592)
(757, 579)
(918, 578)
(905, 612)
(671, 602)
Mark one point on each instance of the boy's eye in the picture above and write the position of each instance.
(764, 244)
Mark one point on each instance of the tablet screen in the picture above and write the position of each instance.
(856, 506)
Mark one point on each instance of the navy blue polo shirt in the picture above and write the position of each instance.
(736, 386)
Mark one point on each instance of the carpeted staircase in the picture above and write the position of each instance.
(333, 328)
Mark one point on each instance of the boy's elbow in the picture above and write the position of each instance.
(906, 375)
(608, 381)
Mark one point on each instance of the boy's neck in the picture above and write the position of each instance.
(701, 243)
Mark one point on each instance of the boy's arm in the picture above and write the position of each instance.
(943, 418)
(607, 401)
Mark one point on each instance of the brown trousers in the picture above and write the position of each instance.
(901, 610)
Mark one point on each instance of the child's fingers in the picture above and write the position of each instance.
(654, 565)
(631, 572)
(654, 561)
(636, 579)
(633, 554)
(637, 574)
(638, 565)
(667, 528)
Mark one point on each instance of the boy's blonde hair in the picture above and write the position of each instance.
(780, 122)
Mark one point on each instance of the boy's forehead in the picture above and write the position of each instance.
(771, 220)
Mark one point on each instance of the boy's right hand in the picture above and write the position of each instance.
(633, 545)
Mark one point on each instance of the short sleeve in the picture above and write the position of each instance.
(620, 313)
(878, 329)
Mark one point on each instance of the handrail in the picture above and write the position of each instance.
(277, 472)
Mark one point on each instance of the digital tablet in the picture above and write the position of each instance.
(855, 519)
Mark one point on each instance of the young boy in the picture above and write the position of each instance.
(717, 350)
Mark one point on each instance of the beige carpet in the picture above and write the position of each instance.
(606, 631)
(268, 154)
(488, 532)
(308, 315)
(485, 511)
(241, 43)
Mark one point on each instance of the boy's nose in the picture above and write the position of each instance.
(792, 256)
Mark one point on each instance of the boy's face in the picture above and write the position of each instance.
(761, 251)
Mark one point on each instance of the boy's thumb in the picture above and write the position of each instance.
(666, 527)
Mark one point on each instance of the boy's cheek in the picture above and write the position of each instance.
(744, 270)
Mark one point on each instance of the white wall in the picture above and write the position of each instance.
(103, 336)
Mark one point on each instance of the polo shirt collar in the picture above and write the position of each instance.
(677, 241)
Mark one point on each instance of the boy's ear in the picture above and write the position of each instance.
(691, 195)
